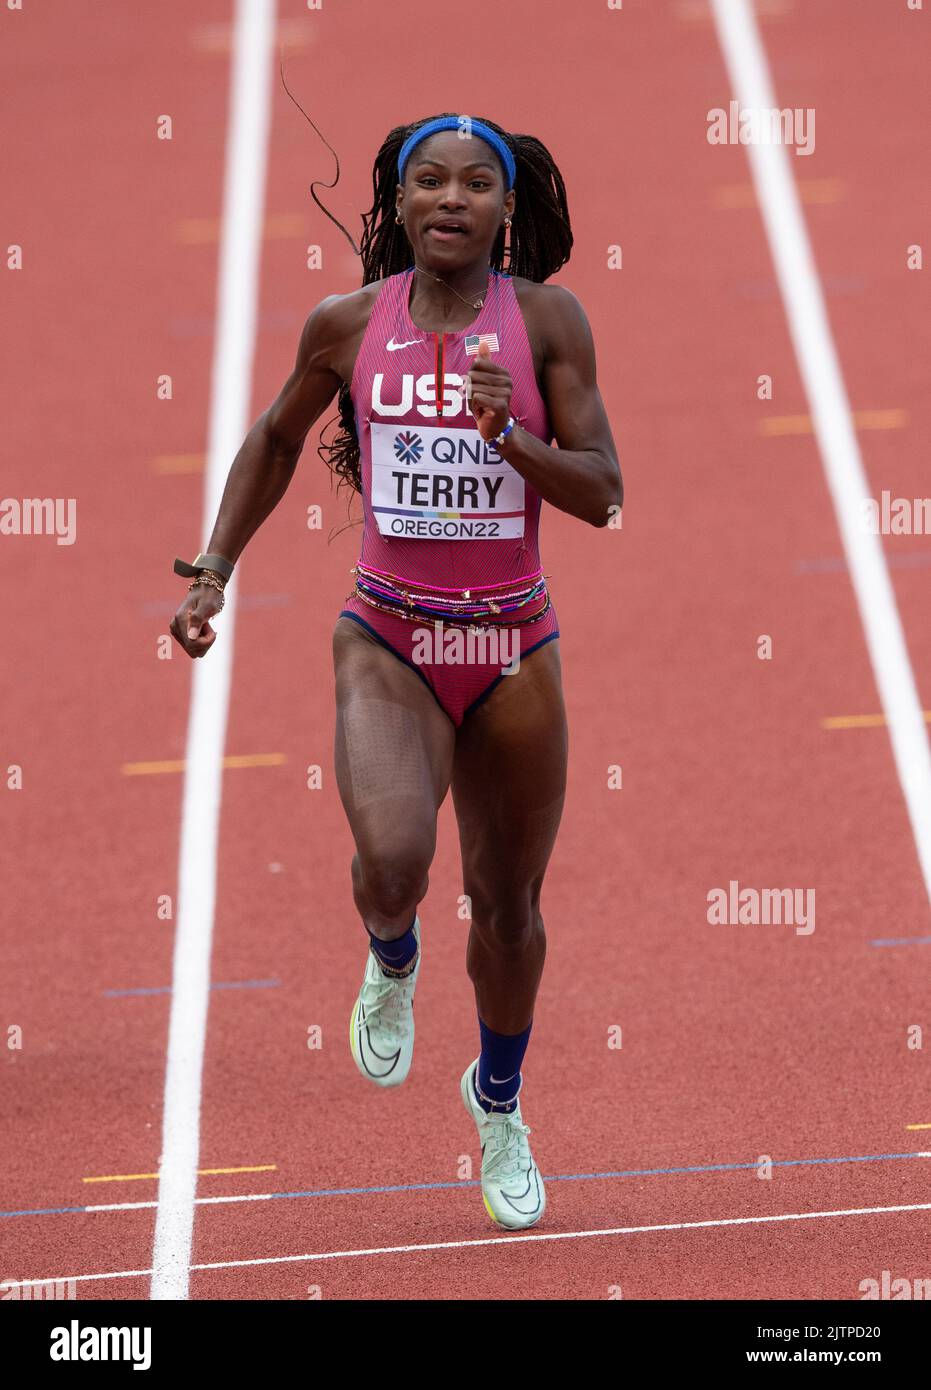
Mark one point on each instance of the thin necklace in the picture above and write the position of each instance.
(473, 304)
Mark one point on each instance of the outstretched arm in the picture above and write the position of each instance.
(264, 466)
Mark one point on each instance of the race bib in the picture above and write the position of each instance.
(432, 483)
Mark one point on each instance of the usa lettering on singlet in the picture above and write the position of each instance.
(426, 472)
(439, 480)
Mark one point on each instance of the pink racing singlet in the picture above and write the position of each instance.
(445, 515)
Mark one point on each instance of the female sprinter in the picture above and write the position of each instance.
(453, 379)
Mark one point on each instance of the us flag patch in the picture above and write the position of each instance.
(474, 341)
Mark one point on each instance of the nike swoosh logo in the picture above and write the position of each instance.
(363, 1032)
(392, 346)
(500, 1080)
(528, 1202)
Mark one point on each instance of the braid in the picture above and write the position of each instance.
(540, 242)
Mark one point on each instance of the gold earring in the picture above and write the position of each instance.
(398, 218)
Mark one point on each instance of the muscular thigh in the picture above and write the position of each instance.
(393, 747)
(509, 778)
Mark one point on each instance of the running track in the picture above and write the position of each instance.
(738, 1042)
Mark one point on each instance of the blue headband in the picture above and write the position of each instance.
(456, 123)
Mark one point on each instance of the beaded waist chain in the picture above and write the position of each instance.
(515, 603)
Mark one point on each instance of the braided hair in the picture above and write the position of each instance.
(540, 242)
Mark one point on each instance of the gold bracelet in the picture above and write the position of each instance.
(213, 581)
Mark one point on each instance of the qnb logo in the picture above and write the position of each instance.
(408, 446)
(77, 1343)
(421, 389)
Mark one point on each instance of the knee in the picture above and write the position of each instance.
(510, 924)
(392, 883)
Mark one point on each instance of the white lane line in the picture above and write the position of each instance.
(830, 409)
(243, 206)
(498, 1240)
(198, 1202)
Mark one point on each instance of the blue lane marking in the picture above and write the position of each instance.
(558, 1177)
(901, 941)
(828, 565)
(367, 1191)
(587, 1177)
(44, 1211)
(121, 993)
(166, 989)
(731, 1167)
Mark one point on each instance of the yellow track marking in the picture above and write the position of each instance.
(895, 419)
(252, 1168)
(202, 1172)
(862, 721)
(201, 231)
(218, 38)
(254, 760)
(178, 764)
(179, 463)
(811, 191)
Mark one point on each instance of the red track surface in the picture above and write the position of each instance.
(737, 1041)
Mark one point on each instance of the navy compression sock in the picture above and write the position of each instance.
(498, 1073)
(396, 957)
